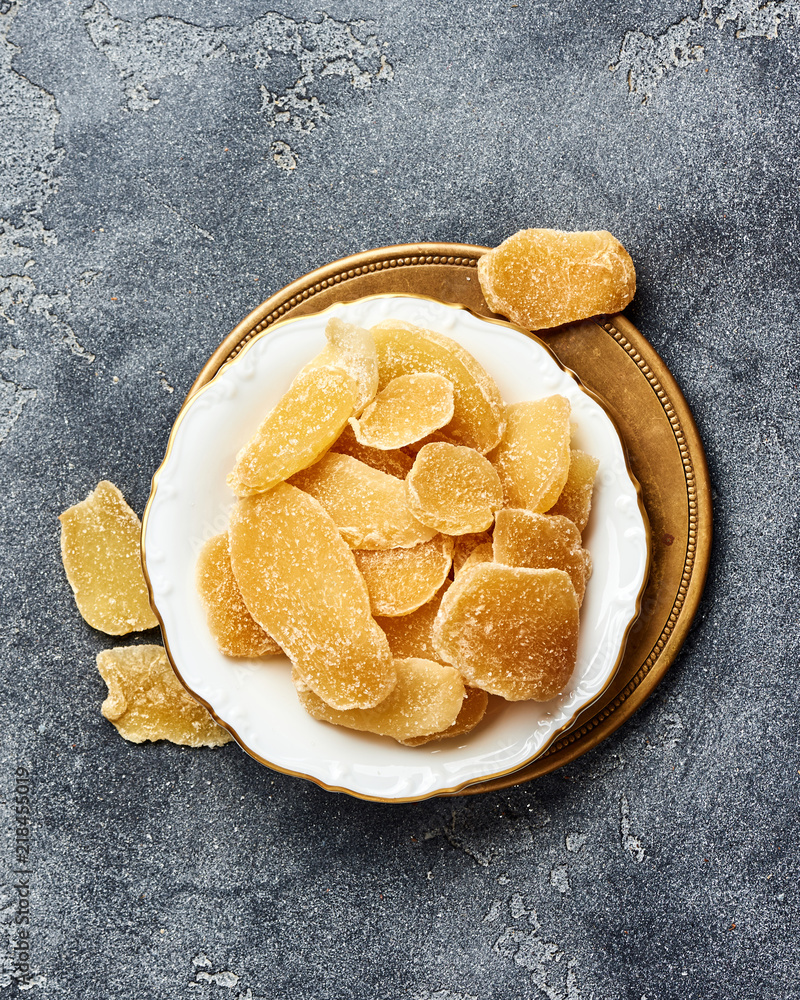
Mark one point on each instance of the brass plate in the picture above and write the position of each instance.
(665, 451)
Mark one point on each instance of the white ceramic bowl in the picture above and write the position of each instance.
(255, 699)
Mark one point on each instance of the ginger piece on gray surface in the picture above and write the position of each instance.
(404, 349)
(427, 699)
(510, 631)
(410, 635)
(100, 539)
(305, 423)
(368, 506)
(410, 408)
(146, 701)
(401, 580)
(351, 349)
(233, 628)
(540, 278)
(575, 500)
(453, 489)
(393, 462)
(464, 544)
(542, 541)
(301, 584)
(532, 460)
(473, 709)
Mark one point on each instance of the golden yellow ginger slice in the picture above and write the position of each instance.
(233, 628)
(410, 635)
(100, 550)
(427, 699)
(453, 489)
(368, 506)
(407, 410)
(532, 460)
(304, 424)
(393, 462)
(575, 500)
(300, 582)
(510, 631)
(480, 554)
(401, 580)
(464, 545)
(351, 349)
(146, 701)
(473, 709)
(540, 278)
(404, 349)
(542, 541)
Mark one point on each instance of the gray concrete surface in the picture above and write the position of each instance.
(164, 166)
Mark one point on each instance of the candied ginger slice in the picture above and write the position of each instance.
(300, 582)
(453, 489)
(428, 698)
(542, 541)
(510, 631)
(407, 410)
(464, 545)
(532, 460)
(368, 506)
(100, 551)
(410, 635)
(480, 554)
(575, 500)
(401, 580)
(472, 711)
(304, 424)
(393, 462)
(233, 628)
(404, 349)
(146, 701)
(351, 349)
(541, 278)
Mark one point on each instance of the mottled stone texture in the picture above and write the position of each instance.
(166, 164)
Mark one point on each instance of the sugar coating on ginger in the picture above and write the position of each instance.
(351, 349)
(542, 541)
(473, 709)
(532, 460)
(301, 584)
(510, 631)
(100, 539)
(393, 462)
(540, 278)
(463, 545)
(404, 349)
(480, 554)
(146, 701)
(401, 580)
(411, 635)
(427, 699)
(453, 489)
(233, 628)
(368, 506)
(575, 500)
(305, 423)
(409, 409)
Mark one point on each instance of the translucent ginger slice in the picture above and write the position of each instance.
(472, 711)
(410, 408)
(401, 580)
(540, 278)
(575, 500)
(394, 462)
(532, 460)
(368, 506)
(480, 554)
(464, 544)
(351, 349)
(427, 699)
(411, 635)
(542, 541)
(233, 628)
(300, 582)
(404, 349)
(100, 550)
(304, 424)
(146, 701)
(453, 489)
(510, 631)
